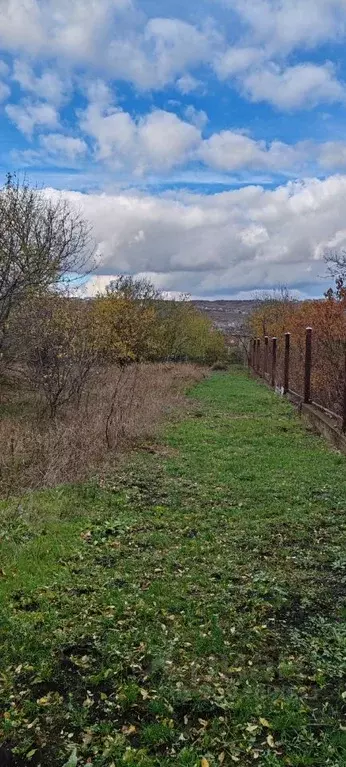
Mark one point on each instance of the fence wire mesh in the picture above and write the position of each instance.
(328, 373)
(283, 364)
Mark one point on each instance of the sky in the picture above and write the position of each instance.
(205, 140)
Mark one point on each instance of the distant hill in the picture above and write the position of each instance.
(228, 316)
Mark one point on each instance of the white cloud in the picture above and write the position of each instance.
(75, 29)
(160, 141)
(4, 88)
(303, 85)
(176, 46)
(282, 25)
(235, 61)
(237, 240)
(231, 150)
(332, 155)
(21, 26)
(157, 141)
(4, 92)
(166, 140)
(110, 36)
(53, 149)
(27, 116)
(197, 117)
(68, 147)
(124, 39)
(188, 84)
(48, 86)
(163, 51)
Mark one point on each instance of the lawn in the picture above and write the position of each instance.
(188, 610)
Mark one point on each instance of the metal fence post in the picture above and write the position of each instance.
(308, 358)
(274, 355)
(287, 363)
(253, 353)
(266, 341)
(343, 428)
(258, 355)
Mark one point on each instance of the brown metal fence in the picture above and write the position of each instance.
(313, 369)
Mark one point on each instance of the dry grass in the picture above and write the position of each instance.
(119, 408)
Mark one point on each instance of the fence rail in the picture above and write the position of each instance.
(306, 369)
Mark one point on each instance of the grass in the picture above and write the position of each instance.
(188, 610)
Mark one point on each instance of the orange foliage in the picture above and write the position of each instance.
(328, 321)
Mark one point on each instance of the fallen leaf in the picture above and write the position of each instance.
(204, 762)
(128, 730)
(252, 727)
(144, 694)
(72, 762)
(32, 724)
(270, 741)
(264, 722)
(221, 757)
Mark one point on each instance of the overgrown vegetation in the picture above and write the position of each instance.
(187, 610)
(72, 373)
(281, 314)
(120, 407)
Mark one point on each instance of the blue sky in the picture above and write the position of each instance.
(205, 141)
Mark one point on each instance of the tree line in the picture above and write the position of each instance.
(281, 313)
(51, 339)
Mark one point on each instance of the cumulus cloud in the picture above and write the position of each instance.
(156, 141)
(235, 61)
(188, 84)
(4, 88)
(225, 242)
(4, 91)
(197, 117)
(68, 147)
(332, 155)
(160, 141)
(231, 150)
(53, 149)
(129, 40)
(113, 36)
(303, 85)
(29, 115)
(48, 86)
(283, 25)
(74, 29)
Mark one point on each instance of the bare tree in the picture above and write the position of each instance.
(55, 348)
(42, 240)
(336, 263)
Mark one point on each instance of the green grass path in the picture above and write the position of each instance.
(188, 611)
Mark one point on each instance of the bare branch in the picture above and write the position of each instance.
(42, 241)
